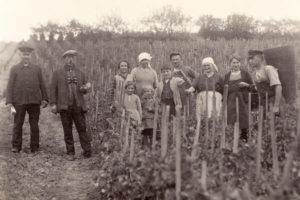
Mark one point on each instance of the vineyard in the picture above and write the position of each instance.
(189, 160)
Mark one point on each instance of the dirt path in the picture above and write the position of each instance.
(46, 175)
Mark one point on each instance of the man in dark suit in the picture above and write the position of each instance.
(66, 98)
(26, 91)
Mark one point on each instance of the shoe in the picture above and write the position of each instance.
(15, 150)
(34, 150)
(70, 157)
(87, 154)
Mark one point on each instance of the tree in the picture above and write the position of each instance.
(168, 20)
(240, 26)
(210, 26)
(113, 23)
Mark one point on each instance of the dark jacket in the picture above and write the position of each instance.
(234, 91)
(59, 90)
(25, 85)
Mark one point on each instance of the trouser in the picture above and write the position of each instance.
(170, 102)
(33, 111)
(147, 137)
(74, 113)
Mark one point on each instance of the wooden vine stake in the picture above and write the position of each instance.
(206, 113)
(225, 96)
(97, 107)
(249, 114)
(188, 98)
(214, 116)
(185, 112)
(196, 139)
(122, 126)
(224, 112)
(126, 135)
(236, 129)
(178, 156)
(155, 126)
(274, 144)
(132, 145)
(174, 121)
(164, 137)
(204, 175)
(259, 142)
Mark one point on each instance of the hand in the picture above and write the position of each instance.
(13, 110)
(243, 84)
(113, 108)
(190, 90)
(54, 109)
(44, 103)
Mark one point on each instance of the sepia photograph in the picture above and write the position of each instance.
(149, 100)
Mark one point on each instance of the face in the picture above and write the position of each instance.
(254, 61)
(167, 74)
(145, 62)
(25, 56)
(176, 61)
(235, 65)
(207, 68)
(70, 59)
(123, 67)
(130, 89)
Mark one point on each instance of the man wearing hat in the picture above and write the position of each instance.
(66, 98)
(266, 79)
(184, 72)
(26, 91)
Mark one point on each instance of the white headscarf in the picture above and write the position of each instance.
(145, 55)
(210, 60)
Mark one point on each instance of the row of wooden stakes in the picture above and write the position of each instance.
(179, 131)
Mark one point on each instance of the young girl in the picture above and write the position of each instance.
(132, 104)
(148, 106)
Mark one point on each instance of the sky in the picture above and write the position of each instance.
(17, 17)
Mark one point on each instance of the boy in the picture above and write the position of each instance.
(168, 90)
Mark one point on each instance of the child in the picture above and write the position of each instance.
(148, 106)
(132, 104)
(168, 91)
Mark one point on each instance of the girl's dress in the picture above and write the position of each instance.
(132, 105)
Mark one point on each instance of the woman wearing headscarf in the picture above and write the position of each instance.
(212, 81)
(145, 79)
(239, 84)
(144, 75)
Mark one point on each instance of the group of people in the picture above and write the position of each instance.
(137, 91)
(143, 89)
(26, 93)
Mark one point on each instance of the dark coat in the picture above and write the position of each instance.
(26, 85)
(59, 91)
(242, 94)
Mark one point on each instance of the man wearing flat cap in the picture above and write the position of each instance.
(267, 80)
(186, 73)
(26, 92)
(66, 98)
